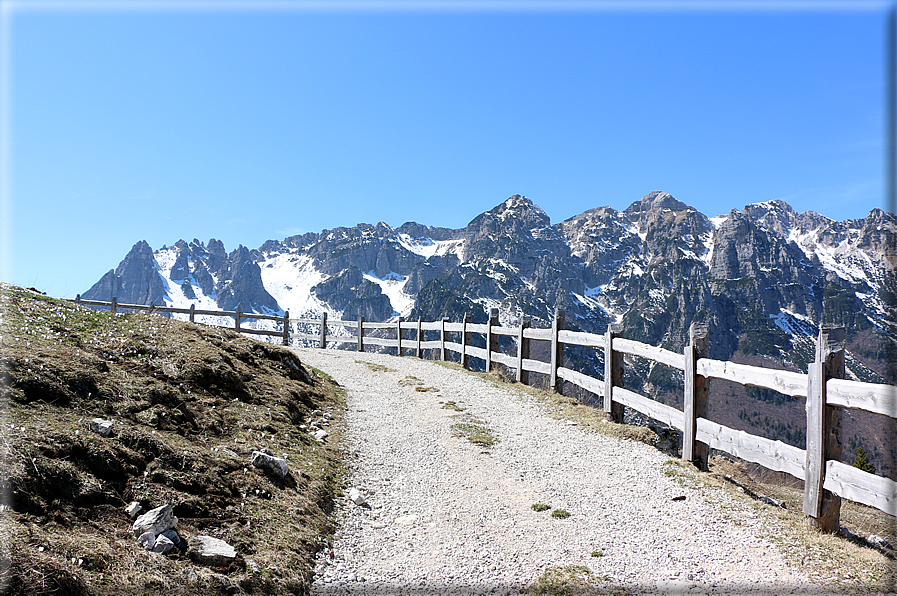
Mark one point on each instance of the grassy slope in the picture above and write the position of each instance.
(189, 403)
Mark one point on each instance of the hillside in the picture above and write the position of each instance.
(189, 405)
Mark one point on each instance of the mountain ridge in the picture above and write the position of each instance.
(512, 257)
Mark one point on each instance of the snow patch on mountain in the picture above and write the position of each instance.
(794, 323)
(393, 286)
(174, 294)
(841, 259)
(424, 247)
(717, 221)
(289, 278)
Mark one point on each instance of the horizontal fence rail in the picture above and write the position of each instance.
(818, 465)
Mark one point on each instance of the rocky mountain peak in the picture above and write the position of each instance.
(523, 210)
(654, 201)
(776, 215)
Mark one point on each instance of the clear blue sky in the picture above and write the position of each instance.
(251, 124)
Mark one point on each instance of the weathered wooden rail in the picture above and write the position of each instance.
(826, 478)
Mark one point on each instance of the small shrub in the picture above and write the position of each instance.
(541, 507)
(560, 513)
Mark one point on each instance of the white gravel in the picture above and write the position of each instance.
(445, 516)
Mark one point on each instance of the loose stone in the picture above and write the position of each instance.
(155, 520)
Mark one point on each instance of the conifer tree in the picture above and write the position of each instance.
(860, 461)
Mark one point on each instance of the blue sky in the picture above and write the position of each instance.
(158, 122)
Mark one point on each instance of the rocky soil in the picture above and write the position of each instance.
(184, 415)
(448, 467)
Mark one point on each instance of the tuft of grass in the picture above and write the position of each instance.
(426, 389)
(540, 507)
(475, 431)
(450, 405)
(376, 367)
(572, 580)
(597, 553)
(560, 513)
(410, 381)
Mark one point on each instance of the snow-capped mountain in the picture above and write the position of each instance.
(760, 277)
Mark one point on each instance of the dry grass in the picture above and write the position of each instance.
(190, 403)
(572, 580)
(376, 367)
(836, 559)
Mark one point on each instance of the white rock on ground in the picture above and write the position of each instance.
(155, 520)
(147, 540)
(163, 545)
(133, 509)
(356, 496)
(208, 550)
(475, 531)
(100, 426)
(268, 462)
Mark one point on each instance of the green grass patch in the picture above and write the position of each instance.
(572, 580)
(560, 514)
(540, 507)
(475, 431)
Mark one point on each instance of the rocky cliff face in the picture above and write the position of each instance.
(135, 281)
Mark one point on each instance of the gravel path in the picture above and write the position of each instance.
(446, 516)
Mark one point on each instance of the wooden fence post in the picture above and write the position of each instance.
(78, 299)
(114, 304)
(192, 312)
(823, 431)
(419, 320)
(522, 351)
(286, 327)
(360, 334)
(323, 344)
(557, 351)
(153, 307)
(237, 315)
(493, 315)
(695, 397)
(442, 354)
(399, 337)
(613, 374)
(464, 338)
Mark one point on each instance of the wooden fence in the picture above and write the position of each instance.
(819, 465)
